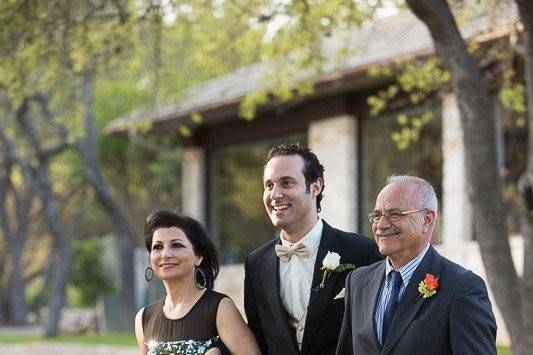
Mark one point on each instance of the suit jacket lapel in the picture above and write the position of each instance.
(319, 298)
(370, 297)
(270, 275)
(411, 300)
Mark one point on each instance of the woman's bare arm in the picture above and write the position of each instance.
(234, 333)
(139, 334)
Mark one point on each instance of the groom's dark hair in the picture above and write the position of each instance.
(312, 170)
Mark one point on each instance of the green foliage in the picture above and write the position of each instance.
(165, 169)
(47, 45)
(144, 55)
(33, 290)
(377, 71)
(377, 104)
(196, 118)
(88, 275)
(283, 93)
(305, 87)
(114, 98)
(418, 80)
(423, 77)
(344, 267)
(410, 128)
(512, 96)
(249, 104)
(185, 131)
(293, 44)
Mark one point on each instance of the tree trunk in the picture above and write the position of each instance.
(485, 189)
(15, 240)
(41, 179)
(2, 301)
(2, 304)
(87, 150)
(17, 290)
(525, 8)
(58, 297)
(62, 245)
(23, 201)
(44, 295)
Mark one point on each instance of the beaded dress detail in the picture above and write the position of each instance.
(193, 334)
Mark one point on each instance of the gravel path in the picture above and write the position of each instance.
(65, 349)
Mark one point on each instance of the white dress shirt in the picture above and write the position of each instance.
(296, 277)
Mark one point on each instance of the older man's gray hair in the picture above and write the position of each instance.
(428, 197)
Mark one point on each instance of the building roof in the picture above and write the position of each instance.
(380, 43)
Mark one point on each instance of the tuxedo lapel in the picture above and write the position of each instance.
(270, 275)
(411, 300)
(320, 297)
(370, 296)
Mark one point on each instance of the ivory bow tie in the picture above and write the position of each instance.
(285, 253)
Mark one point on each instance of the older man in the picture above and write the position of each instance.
(416, 301)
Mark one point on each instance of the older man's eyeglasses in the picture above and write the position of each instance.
(391, 216)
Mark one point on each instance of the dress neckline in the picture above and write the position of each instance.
(186, 314)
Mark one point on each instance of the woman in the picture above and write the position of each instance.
(192, 318)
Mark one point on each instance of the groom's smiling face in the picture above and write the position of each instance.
(289, 204)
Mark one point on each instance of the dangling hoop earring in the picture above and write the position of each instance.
(148, 273)
(199, 285)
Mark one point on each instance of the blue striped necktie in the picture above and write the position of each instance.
(396, 280)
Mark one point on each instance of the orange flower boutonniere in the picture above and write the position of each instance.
(428, 287)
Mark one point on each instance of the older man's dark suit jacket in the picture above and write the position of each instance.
(268, 319)
(458, 319)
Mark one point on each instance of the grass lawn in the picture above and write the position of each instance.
(127, 339)
(504, 350)
(109, 339)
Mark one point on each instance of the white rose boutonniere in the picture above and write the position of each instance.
(331, 263)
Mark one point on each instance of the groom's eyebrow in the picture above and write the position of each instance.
(282, 178)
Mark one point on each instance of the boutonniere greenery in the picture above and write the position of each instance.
(331, 264)
(428, 286)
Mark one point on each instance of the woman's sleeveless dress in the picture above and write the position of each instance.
(194, 333)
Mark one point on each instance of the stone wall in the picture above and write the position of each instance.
(334, 141)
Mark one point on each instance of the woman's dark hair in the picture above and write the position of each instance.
(197, 235)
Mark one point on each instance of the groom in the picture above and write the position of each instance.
(289, 309)
(415, 302)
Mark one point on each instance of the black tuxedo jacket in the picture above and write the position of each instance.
(268, 319)
(458, 319)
